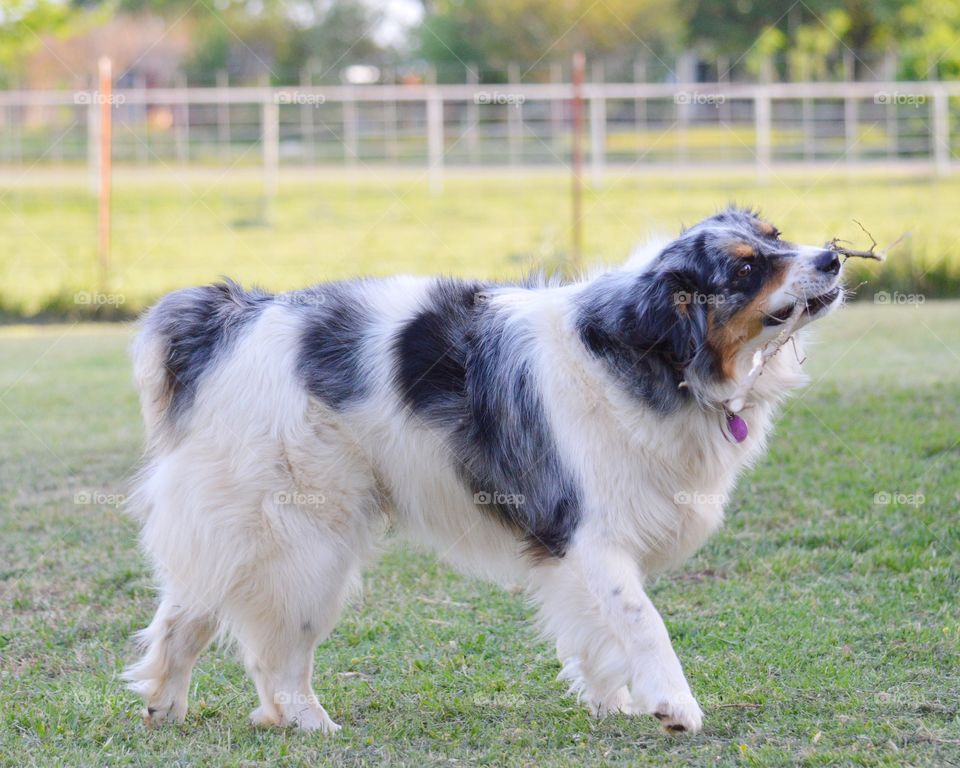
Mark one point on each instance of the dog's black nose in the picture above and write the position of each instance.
(827, 261)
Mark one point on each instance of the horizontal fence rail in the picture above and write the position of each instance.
(629, 125)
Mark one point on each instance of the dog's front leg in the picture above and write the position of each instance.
(657, 682)
(600, 608)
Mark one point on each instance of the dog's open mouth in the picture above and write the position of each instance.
(814, 306)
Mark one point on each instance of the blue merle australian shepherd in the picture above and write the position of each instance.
(568, 438)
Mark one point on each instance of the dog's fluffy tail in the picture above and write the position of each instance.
(179, 339)
(149, 352)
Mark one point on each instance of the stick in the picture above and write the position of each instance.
(870, 253)
(736, 402)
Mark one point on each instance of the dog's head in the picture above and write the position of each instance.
(711, 298)
(733, 280)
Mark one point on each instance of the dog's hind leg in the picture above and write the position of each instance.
(172, 643)
(285, 609)
(280, 661)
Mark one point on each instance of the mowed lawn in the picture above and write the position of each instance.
(176, 229)
(820, 627)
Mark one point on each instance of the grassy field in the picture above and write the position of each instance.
(820, 627)
(193, 229)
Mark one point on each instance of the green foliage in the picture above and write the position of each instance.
(927, 38)
(770, 42)
(731, 28)
(22, 26)
(274, 43)
(815, 43)
(807, 39)
(527, 31)
(212, 52)
(342, 35)
(813, 33)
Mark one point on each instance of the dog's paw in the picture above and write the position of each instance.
(306, 719)
(679, 714)
(619, 702)
(163, 702)
(315, 719)
(156, 714)
(265, 717)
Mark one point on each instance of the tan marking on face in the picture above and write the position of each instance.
(766, 228)
(728, 339)
(742, 251)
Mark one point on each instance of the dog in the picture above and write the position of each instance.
(570, 438)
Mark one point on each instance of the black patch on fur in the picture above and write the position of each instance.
(459, 368)
(330, 355)
(432, 348)
(198, 326)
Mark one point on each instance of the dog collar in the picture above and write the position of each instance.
(732, 424)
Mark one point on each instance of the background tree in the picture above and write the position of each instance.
(23, 23)
(251, 38)
(497, 32)
(927, 34)
(812, 36)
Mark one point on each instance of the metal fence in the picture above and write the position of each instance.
(629, 125)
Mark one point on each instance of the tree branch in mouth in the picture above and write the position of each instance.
(871, 253)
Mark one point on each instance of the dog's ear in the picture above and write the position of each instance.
(670, 316)
(648, 330)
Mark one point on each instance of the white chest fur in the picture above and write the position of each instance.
(656, 484)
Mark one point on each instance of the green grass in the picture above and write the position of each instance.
(169, 234)
(817, 628)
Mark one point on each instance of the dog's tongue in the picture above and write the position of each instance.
(737, 427)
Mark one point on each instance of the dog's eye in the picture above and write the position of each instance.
(744, 271)
(776, 234)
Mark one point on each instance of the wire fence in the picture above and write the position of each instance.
(643, 125)
(237, 157)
